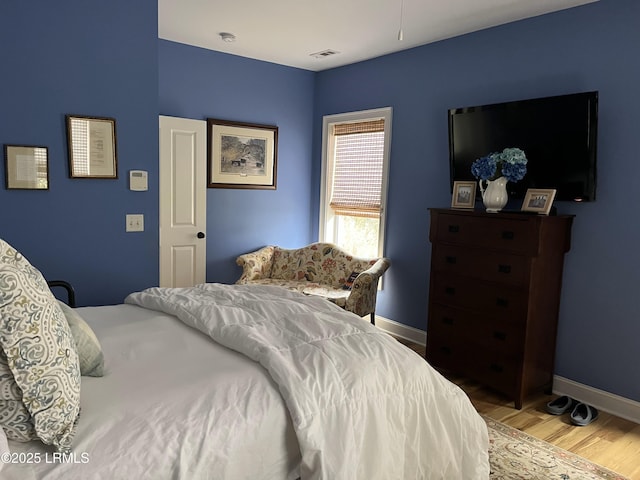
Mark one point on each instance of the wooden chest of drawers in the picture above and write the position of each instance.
(494, 297)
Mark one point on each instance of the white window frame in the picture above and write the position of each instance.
(327, 217)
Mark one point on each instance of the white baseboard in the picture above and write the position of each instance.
(403, 331)
(607, 402)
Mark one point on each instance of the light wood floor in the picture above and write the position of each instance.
(609, 441)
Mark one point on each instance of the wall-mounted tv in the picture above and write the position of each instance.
(558, 135)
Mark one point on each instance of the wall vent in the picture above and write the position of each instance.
(324, 53)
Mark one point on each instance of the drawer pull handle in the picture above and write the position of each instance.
(508, 235)
(499, 335)
(502, 302)
(504, 268)
(454, 228)
(450, 290)
(496, 368)
(451, 259)
(447, 320)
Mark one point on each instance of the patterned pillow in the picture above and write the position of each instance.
(4, 447)
(14, 416)
(40, 354)
(87, 344)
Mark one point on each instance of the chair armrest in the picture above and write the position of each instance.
(377, 269)
(362, 299)
(71, 294)
(256, 265)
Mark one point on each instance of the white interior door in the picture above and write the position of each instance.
(183, 188)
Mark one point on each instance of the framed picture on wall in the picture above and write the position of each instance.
(464, 195)
(538, 200)
(92, 147)
(26, 167)
(241, 155)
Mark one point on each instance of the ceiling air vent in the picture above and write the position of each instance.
(324, 54)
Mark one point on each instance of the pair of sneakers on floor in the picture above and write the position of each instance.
(581, 413)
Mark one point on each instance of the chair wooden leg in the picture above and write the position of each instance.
(373, 318)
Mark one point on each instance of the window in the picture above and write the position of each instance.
(355, 162)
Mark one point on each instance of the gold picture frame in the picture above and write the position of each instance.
(26, 167)
(538, 200)
(91, 143)
(241, 155)
(464, 195)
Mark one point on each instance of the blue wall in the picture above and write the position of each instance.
(60, 57)
(593, 47)
(101, 60)
(198, 83)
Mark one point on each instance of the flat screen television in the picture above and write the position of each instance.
(558, 135)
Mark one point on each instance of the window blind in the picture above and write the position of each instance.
(357, 175)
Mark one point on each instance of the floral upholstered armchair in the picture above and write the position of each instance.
(321, 269)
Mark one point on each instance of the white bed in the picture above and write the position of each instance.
(325, 395)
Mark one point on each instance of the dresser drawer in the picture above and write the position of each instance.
(484, 265)
(491, 368)
(447, 323)
(496, 371)
(450, 325)
(499, 233)
(449, 353)
(500, 302)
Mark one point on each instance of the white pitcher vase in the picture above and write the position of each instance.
(494, 195)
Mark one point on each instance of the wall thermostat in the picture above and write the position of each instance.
(138, 181)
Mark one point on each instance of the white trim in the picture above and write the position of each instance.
(607, 402)
(412, 334)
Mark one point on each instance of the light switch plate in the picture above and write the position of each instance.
(135, 222)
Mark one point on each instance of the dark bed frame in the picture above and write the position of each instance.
(71, 294)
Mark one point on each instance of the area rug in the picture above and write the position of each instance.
(516, 455)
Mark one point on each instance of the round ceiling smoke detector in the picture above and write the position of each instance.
(227, 37)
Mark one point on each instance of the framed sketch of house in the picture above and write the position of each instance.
(241, 155)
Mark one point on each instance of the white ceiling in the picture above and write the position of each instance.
(287, 32)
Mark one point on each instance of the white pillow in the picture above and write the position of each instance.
(87, 344)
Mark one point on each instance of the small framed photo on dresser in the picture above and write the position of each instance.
(538, 200)
(464, 195)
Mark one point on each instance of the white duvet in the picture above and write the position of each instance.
(363, 406)
(173, 405)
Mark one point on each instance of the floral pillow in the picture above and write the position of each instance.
(39, 367)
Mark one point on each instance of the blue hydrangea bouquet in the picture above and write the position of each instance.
(511, 164)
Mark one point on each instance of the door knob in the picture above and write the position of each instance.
(200, 235)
